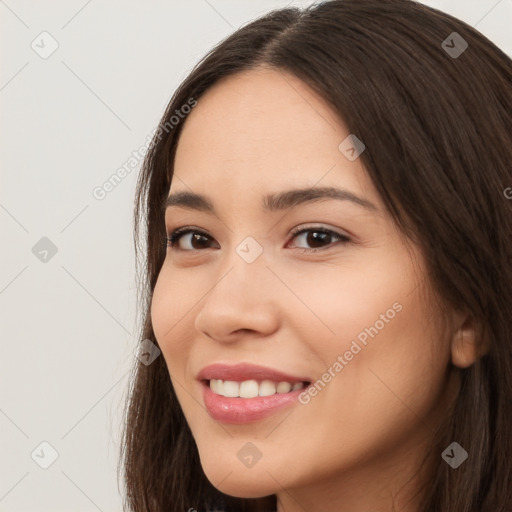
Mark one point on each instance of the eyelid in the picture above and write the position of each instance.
(308, 227)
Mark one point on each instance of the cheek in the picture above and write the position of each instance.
(393, 356)
(346, 301)
(169, 305)
(392, 368)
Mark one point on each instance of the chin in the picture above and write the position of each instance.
(239, 482)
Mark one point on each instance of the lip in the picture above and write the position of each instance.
(246, 371)
(246, 410)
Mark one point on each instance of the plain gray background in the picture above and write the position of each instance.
(69, 120)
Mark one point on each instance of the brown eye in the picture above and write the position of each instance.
(319, 238)
(198, 240)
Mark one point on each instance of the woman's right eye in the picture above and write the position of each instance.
(198, 237)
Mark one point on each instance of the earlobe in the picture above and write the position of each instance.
(466, 344)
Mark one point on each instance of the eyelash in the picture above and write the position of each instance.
(178, 233)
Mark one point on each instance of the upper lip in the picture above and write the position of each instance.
(246, 371)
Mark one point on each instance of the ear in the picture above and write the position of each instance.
(466, 342)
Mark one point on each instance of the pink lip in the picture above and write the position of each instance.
(245, 371)
(245, 410)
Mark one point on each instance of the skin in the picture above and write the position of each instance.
(357, 443)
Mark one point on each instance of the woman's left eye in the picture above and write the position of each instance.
(312, 236)
(318, 235)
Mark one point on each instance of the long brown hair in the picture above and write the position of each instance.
(437, 127)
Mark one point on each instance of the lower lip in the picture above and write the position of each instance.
(246, 410)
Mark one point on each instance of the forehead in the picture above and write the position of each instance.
(261, 106)
(264, 127)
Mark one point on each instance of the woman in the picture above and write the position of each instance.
(328, 273)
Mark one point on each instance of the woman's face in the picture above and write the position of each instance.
(339, 305)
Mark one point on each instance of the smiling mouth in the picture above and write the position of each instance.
(252, 388)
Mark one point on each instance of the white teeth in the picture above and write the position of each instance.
(267, 388)
(251, 388)
(230, 388)
(216, 386)
(248, 389)
(284, 387)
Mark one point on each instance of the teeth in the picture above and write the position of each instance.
(251, 388)
(248, 389)
(267, 388)
(230, 388)
(284, 387)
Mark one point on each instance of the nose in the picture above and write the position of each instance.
(242, 300)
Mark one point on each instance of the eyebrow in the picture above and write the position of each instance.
(272, 202)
